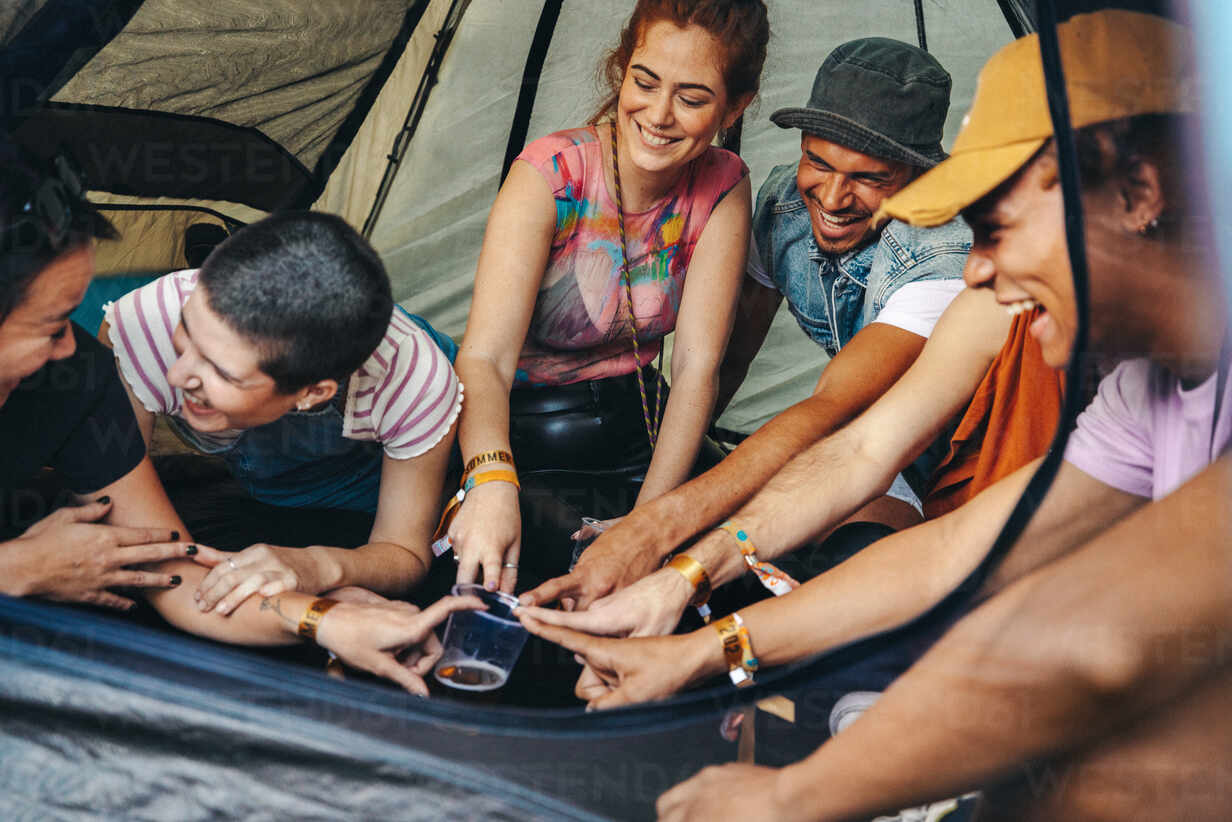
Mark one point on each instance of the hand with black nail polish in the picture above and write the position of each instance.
(72, 555)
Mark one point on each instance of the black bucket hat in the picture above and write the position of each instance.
(879, 97)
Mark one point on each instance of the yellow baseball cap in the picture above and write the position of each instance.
(1117, 64)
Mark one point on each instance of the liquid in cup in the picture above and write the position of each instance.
(481, 647)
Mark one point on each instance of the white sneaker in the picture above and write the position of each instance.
(849, 708)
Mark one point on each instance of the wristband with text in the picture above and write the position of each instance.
(312, 617)
(488, 456)
(737, 650)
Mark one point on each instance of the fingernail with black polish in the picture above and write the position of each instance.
(175, 536)
(175, 580)
(191, 550)
(104, 500)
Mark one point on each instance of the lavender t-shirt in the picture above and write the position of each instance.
(1145, 434)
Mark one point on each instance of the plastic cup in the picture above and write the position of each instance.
(481, 647)
(580, 544)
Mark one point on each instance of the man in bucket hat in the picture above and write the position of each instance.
(868, 292)
(872, 124)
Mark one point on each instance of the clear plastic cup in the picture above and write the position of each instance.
(481, 647)
(592, 528)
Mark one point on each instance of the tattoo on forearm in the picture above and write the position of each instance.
(274, 604)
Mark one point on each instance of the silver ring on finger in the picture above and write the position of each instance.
(231, 564)
(513, 565)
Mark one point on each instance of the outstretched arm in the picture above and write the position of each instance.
(910, 571)
(394, 559)
(835, 477)
(754, 316)
(874, 359)
(486, 533)
(82, 553)
(1072, 653)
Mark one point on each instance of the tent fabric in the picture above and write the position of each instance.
(98, 717)
(236, 103)
(430, 231)
(193, 100)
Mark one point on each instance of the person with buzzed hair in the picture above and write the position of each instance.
(64, 407)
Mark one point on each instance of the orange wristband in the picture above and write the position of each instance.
(451, 507)
(312, 617)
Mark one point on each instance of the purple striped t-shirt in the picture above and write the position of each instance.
(405, 396)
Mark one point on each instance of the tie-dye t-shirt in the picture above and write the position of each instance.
(579, 330)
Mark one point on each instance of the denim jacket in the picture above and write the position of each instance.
(834, 297)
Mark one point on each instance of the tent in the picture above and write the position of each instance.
(401, 115)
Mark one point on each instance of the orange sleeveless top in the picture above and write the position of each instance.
(1010, 421)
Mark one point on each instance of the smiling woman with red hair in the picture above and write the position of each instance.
(604, 239)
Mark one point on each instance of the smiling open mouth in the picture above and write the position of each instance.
(197, 406)
(1016, 308)
(653, 139)
(836, 221)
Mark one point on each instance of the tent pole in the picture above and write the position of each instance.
(1067, 155)
(453, 19)
(920, 34)
(535, 59)
(1019, 19)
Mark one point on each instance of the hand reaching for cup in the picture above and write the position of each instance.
(390, 639)
(626, 671)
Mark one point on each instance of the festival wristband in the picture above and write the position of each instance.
(451, 507)
(737, 650)
(774, 579)
(486, 457)
(695, 575)
(312, 617)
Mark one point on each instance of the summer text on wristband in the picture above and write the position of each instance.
(485, 457)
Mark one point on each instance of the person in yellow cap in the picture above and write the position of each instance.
(1092, 683)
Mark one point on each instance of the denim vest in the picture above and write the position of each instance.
(301, 459)
(833, 297)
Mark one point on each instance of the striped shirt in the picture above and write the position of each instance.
(405, 396)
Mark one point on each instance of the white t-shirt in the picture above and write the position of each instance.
(913, 307)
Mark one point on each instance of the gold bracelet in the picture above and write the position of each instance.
(312, 617)
(486, 457)
(695, 575)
